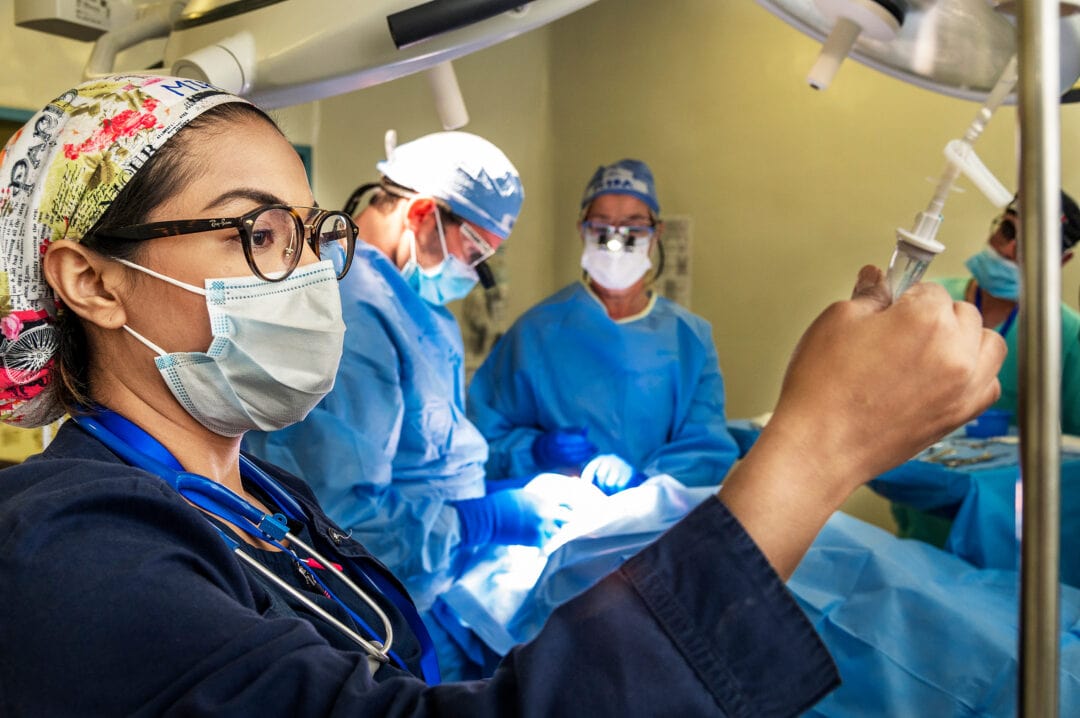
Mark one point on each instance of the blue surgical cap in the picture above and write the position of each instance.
(467, 172)
(632, 177)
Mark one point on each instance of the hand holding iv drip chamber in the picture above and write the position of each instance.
(915, 249)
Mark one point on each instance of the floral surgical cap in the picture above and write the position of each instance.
(58, 175)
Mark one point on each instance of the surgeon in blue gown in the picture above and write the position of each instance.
(606, 378)
(390, 452)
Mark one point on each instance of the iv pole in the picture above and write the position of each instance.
(1039, 356)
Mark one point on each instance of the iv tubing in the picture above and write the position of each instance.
(1004, 85)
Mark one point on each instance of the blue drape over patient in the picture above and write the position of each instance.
(914, 630)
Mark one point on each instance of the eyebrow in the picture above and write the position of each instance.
(258, 196)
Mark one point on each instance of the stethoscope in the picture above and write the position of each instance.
(138, 448)
(1008, 320)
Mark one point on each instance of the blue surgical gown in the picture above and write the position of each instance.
(390, 446)
(648, 388)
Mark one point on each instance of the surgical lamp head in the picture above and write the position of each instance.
(473, 176)
(627, 176)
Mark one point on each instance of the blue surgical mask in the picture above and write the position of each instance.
(274, 354)
(449, 280)
(995, 274)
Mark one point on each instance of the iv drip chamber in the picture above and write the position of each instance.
(913, 254)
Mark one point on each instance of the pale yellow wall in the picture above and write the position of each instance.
(506, 90)
(790, 190)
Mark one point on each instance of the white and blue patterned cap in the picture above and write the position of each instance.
(61, 171)
(467, 172)
(627, 176)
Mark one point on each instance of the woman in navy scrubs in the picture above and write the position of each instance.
(171, 284)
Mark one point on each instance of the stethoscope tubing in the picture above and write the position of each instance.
(374, 650)
(222, 503)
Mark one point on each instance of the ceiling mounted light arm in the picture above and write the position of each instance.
(422, 22)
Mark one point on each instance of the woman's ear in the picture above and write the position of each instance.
(86, 283)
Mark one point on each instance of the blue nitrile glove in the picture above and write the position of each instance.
(509, 482)
(562, 449)
(510, 517)
(611, 473)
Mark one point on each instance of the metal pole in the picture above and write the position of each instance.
(1040, 355)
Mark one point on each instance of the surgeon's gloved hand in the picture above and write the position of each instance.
(611, 473)
(511, 517)
(563, 449)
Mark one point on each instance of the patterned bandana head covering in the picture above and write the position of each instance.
(58, 175)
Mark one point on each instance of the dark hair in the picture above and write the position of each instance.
(154, 183)
(1070, 220)
(385, 195)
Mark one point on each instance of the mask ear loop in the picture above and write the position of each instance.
(412, 248)
(442, 243)
(175, 282)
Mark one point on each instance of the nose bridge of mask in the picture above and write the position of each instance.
(217, 292)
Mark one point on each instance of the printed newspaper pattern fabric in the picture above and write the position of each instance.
(59, 172)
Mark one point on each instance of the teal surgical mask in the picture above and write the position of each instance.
(995, 274)
(450, 279)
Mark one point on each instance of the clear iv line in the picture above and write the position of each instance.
(917, 248)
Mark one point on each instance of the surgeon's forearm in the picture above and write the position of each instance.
(783, 491)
